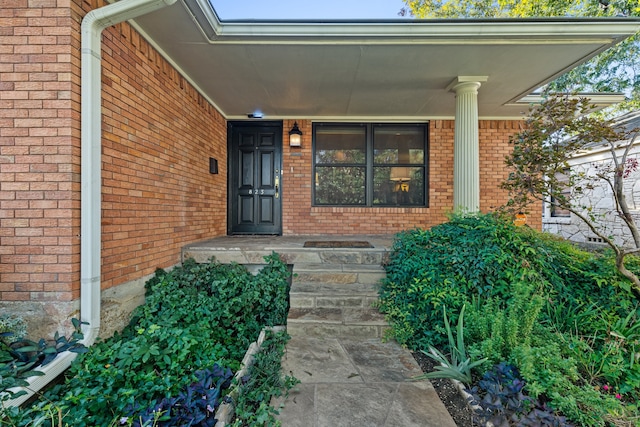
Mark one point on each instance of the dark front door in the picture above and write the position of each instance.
(255, 162)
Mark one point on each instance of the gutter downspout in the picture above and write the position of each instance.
(91, 150)
(91, 176)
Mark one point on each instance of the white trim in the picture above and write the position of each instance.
(495, 31)
(177, 67)
(599, 99)
(602, 152)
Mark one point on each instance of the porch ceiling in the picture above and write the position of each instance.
(370, 70)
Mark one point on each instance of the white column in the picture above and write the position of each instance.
(466, 157)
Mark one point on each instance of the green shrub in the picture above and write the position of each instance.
(472, 256)
(557, 378)
(497, 326)
(264, 382)
(195, 317)
(563, 316)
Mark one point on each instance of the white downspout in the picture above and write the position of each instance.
(91, 139)
(91, 177)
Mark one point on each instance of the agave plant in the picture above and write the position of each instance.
(459, 365)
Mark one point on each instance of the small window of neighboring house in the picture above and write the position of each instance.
(557, 212)
(369, 164)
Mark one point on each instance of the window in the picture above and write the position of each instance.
(556, 211)
(370, 164)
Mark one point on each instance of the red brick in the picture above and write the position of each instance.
(157, 194)
(14, 296)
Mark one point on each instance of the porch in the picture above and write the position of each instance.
(335, 279)
(250, 249)
(349, 375)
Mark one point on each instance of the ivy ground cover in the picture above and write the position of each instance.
(558, 326)
(173, 364)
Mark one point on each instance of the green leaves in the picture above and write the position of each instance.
(616, 70)
(560, 314)
(459, 365)
(471, 255)
(194, 317)
(20, 358)
(496, 326)
(265, 381)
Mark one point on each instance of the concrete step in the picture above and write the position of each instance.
(328, 295)
(335, 300)
(336, 322)
(240, 255)
(333, 288)
(362, 256)
(337, 273)
(338, 298)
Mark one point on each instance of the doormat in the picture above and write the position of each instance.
(337, 244)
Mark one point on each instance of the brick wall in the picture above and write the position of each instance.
(494, 147)
(39, 142)
(300, 217)
(158, 135)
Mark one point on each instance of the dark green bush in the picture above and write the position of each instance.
(469, 257)
(195, 317)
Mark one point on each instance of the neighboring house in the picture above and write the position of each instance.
(599, 200)
(119, 147)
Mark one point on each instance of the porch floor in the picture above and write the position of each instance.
(349, 376)
(249, 249)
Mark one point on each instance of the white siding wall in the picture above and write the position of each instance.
(600, 201)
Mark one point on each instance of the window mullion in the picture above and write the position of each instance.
(369, 170)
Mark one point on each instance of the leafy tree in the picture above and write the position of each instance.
(615, 70)
(556, 129)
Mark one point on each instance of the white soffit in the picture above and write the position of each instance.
(365, 70)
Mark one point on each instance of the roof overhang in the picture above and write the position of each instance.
(371, 70)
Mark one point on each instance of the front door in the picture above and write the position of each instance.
(255, 163)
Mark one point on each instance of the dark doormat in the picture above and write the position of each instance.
(337, 244)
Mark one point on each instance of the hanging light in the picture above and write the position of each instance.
(295, 136)
(400, 174)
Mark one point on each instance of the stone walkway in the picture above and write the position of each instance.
(349, 382)
(349, 378)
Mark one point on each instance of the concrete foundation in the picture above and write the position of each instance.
(44, 318)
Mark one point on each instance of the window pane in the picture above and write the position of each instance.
(367, 164)
(556, 211)
(340, 185)
(398, 186)
(341, 144)
(398, 145)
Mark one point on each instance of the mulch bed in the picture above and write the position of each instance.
(449, 394)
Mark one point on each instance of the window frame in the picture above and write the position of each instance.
(369, 164)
